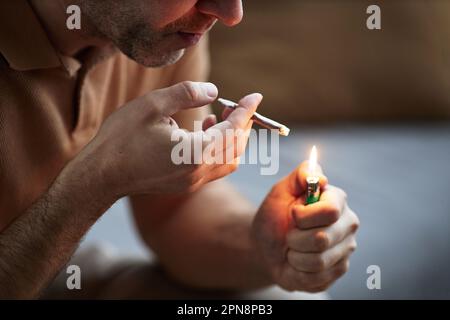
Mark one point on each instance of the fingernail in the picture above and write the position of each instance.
(255, 98)
(210, 90)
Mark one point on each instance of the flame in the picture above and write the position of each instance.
(313, 161)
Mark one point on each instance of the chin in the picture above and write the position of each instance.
(158, 61)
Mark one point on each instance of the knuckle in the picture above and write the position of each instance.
(341, 193)
(338, 191)
(355, 223)
(342, 269)
(317, 263)
(190, 89)
(353, 245)
(321, 241)
(333, 212)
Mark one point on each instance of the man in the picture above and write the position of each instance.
(86, 118)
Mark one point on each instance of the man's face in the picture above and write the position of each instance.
(155, 33)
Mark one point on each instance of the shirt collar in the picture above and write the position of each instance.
(24, 43)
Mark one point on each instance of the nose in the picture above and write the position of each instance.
(229, 12)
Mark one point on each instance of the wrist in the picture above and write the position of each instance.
(85, 183)
(260, 263)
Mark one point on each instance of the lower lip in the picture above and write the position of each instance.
(190, 39)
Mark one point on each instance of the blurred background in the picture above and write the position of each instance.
(376, 104)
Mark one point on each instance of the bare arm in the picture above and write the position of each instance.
(38, 243)
(203, 240)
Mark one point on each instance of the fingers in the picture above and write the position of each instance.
(319, 262)
(317, 257)
(313, 282)
(240, 117)
(222, 147)
(235, 130)
(226, 112)
(323, 213)
(209, 122)
(321, 239)
(224, 170)
(321, 282)
(183, 95)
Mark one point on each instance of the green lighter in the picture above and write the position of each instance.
(312, 181)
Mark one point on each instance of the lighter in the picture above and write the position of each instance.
(312, 180)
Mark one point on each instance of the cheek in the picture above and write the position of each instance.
(166, 12)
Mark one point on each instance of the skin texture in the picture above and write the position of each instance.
(231, 244)
(146, 31)
(147, 36)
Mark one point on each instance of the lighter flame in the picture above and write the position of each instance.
(313, 161)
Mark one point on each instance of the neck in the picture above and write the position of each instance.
(53, 16)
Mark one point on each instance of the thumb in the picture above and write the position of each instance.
(184, 95)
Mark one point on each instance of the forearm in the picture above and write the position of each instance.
(39, 242)
(206, 242)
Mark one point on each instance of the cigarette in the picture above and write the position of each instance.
(259, 119)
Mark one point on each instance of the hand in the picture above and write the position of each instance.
(305, 248)
(133, 147)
